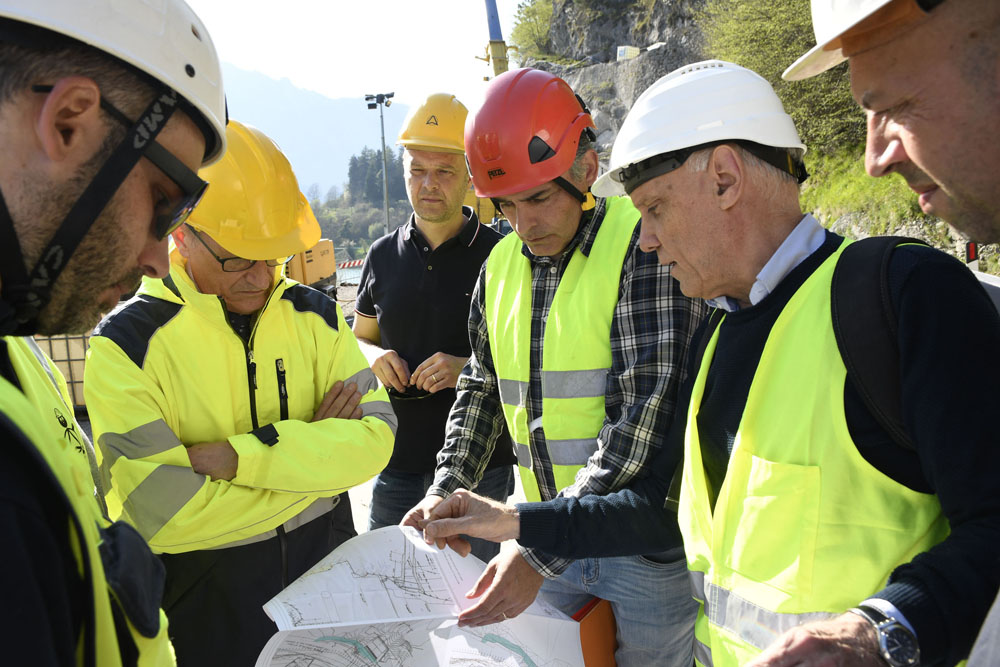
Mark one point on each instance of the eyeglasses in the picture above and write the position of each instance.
(237, 264)
(168, 215)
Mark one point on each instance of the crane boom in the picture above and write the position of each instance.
(497, 52)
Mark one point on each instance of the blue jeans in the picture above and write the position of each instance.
(395, 493)
(654, 610)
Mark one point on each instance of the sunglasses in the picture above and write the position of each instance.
(411, 393)
(168, 214)
(237, 264)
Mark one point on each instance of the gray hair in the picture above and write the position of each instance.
(768, 178)
(579, 168)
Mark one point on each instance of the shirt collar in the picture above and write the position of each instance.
(467, 234)
(804, 240)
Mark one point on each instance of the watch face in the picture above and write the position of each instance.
(900, 645)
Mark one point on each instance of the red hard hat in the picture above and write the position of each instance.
(525, 134)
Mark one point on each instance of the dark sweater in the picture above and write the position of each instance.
(951, 386)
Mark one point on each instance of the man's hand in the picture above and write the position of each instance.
(218, 460)
(847, 640)
(438, 371)
(466, 513)
(341, 402)
(392, 370)
(507, 586)
(420, 512)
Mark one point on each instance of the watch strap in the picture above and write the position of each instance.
(871, 614)
(882, 623)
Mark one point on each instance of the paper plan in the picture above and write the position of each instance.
(387, 598)
(524, 641)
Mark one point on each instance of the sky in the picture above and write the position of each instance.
(349, 48)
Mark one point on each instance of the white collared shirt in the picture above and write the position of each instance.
(804, 240)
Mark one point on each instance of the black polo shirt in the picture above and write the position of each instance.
(421, 298)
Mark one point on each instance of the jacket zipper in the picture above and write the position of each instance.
(252, 374)
(252, 382)
(279, 366)
(251, 368)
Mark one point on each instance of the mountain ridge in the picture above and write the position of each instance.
(317, 134)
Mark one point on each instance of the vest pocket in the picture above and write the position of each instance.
(770, 522)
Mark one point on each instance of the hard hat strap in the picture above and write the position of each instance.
(779, 158)
(586, 199)
(12, 269)
(29, 295)
(634, 175)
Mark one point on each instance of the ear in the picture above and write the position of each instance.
(729, 175)
(180, 240)
(590, 159)
(68, 124)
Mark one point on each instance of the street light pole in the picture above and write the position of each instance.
(381, 100)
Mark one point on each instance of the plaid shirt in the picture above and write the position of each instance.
(650, 330)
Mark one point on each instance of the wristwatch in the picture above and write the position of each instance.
(897, 645)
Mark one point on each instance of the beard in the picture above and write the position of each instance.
(77, 302)
(98, 263)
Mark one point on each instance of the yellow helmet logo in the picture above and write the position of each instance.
(438, 124)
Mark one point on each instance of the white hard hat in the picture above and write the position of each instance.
(163, 39)
(710, 101)
(831, 19)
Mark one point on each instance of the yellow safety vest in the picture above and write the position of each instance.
(36, 409)
(803, 528)
(576, 353)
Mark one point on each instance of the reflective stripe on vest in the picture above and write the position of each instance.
(576, 351)
(803, 527)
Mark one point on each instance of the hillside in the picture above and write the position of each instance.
(581, 47)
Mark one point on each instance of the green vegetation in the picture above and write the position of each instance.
(531, 29)
(356, 217)
(646, 16)
(838, 185)
(767, 37)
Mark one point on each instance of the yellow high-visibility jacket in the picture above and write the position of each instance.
(166, 370)
(40, 410)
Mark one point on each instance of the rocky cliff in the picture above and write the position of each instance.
(589, 32)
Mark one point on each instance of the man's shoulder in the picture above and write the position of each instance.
(486, 235)
(385, 246)
(305, 299)
(134, 323)
(929, 271)
(485, 240)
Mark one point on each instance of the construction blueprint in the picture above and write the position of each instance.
(387, 598)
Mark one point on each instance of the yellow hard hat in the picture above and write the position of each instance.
(253, 207)
(436, 125)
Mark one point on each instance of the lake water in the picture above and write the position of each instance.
(349, 276)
